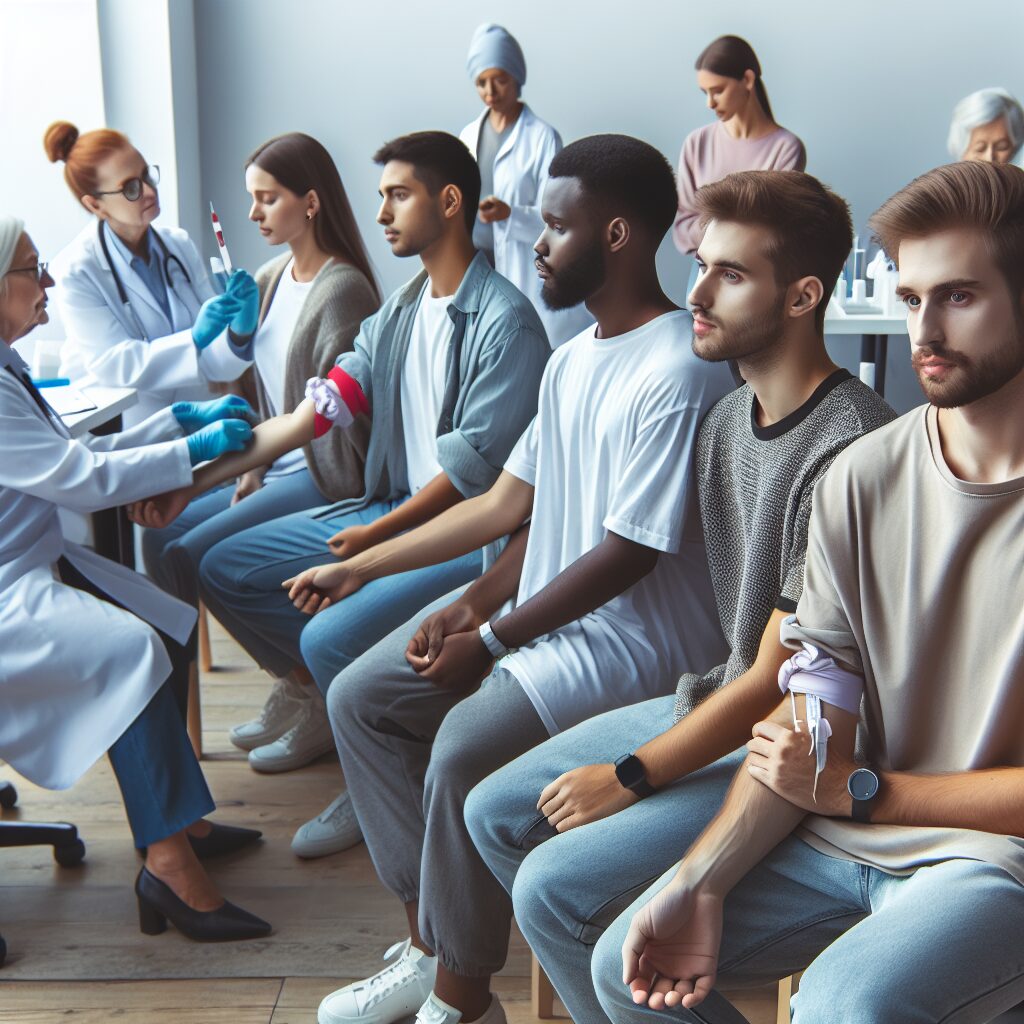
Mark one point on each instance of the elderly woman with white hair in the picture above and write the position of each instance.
(94, 657)
(987, 125)
(513, 148)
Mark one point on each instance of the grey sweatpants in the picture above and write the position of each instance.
(411, 752)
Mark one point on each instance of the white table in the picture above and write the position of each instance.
(874, 330)
(111, 530)
(109, 402)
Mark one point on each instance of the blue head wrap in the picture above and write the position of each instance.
(494, 47)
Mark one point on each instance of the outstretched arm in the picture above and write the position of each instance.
(712, 730)
(270, 440)
(670, 956)
(463, 528)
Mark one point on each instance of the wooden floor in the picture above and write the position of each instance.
(65, 928)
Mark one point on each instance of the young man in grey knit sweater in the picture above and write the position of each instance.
(773, 249)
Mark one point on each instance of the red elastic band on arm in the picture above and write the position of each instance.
(351, 394)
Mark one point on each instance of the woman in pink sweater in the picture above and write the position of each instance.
(744, 136)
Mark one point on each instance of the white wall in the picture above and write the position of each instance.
(49, 70)
(869, 88)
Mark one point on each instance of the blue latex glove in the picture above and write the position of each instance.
(218, 438)
(214, 315)
(193, 415)
(244, 289)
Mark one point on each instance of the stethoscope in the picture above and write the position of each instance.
(165, 271)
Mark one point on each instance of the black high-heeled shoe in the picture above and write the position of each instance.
(158, 904)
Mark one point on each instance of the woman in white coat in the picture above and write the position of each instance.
(513, 148)
(136, 302)
(94, 656)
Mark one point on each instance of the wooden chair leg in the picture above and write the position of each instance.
(205, 657)
(194, 716)
(787, 988)
(542, 992)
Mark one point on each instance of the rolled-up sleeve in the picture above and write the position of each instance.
(498, 405)
(358, 363)
(822, 618)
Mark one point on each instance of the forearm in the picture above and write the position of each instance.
(463, 528)
(723, 722)
(271, 439)
(500, 583)
(602, 573)
(751, 823)
(988, 800)
(430, 501)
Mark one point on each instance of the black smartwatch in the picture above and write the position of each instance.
(630, 773)
(863, 785)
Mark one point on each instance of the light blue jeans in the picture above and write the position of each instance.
(241, 581)
(882, 949)
(172, 555)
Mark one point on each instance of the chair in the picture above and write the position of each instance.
(68, 849)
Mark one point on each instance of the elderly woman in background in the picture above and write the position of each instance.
(987, 125)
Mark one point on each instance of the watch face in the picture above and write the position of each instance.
(863, 784)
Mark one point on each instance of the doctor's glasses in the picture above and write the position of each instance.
(132, 188)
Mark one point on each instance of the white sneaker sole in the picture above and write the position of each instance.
(289, 762)
(311, 849)
(251, 741)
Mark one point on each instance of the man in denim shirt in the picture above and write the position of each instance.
(449, 370)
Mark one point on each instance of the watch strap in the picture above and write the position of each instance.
(491, 642)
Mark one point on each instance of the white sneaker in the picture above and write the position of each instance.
(334, 829)
(389, 996)
(434, 1011)
(308, 738)
(277, 717)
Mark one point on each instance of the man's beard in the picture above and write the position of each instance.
(744, 338)
(975, 379)
(577, 282)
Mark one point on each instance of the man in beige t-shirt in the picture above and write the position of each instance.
(895, 880)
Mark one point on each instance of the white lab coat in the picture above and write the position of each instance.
(108, 341)
(75, 671)
(520, 173)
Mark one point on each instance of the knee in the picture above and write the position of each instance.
(538, 898)
(823, 998)
(485, 814)
(456, 761)
(349, 699)
(606, 974)
(324, 645)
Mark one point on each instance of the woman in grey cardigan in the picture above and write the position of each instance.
(312, 300)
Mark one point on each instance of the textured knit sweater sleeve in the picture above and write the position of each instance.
(341, 299)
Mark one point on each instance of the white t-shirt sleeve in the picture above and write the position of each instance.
(649, 503)
(522, 463)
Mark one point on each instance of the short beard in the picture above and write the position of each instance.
(745, 339)
(975, 380)
(577, 282)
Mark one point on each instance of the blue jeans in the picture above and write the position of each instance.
(566, 889)
(933, 946)
(172, 555)
(241, 582)
(881, 948)
(162, 785)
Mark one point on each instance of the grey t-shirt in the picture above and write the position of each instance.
(755, 486)
(488, 144)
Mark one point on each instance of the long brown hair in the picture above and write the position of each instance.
(302, 164)
(732, 56)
